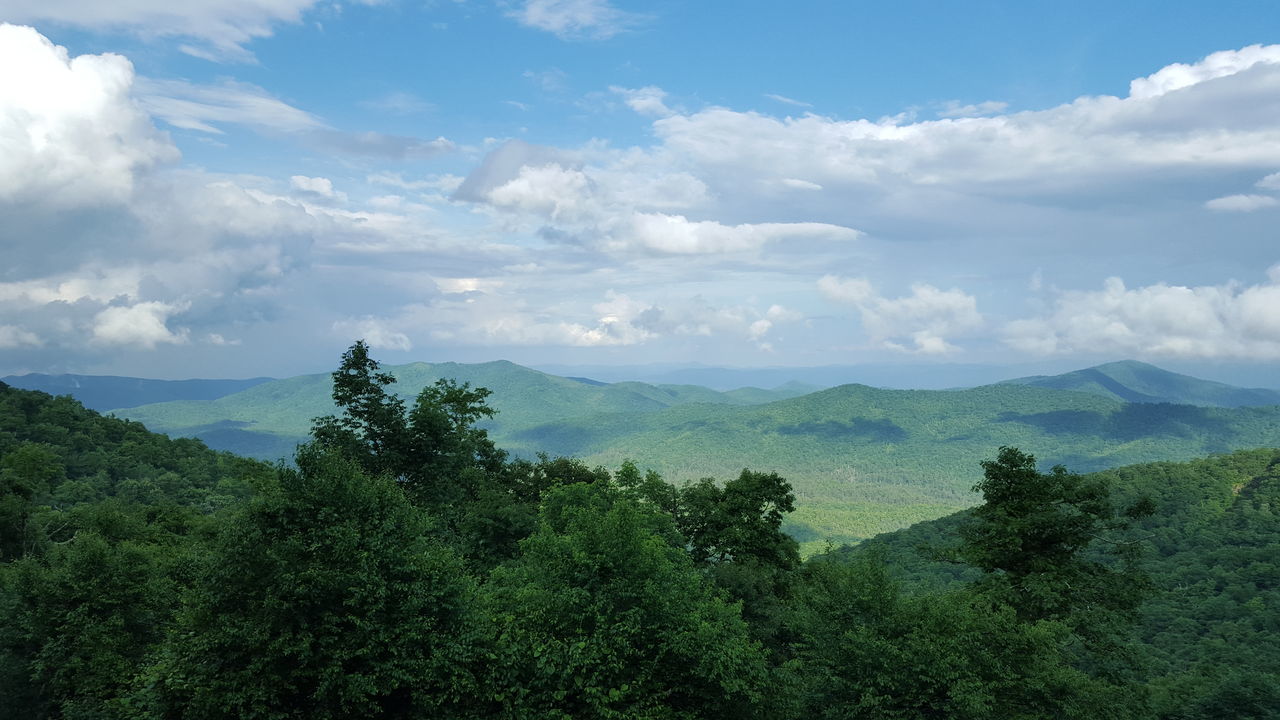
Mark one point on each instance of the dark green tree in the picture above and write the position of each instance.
(603, 617)
(323, 598)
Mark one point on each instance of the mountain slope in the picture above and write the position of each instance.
(1208, 630)
(865, 460)
(1133, 381)
(108, 392)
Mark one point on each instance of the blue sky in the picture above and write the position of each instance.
(227, 189)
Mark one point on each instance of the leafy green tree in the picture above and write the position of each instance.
(603, 617)
(323, 598)
(1030, 536)
(372, 426)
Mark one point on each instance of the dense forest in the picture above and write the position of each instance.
(403, 566)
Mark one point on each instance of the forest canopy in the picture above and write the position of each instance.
(403, 566)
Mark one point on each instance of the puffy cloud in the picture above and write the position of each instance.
(1241, 203)
(71, 133)
(574, 19)
(107, 248)
(1224, 321)
(925, 318)
(140, 325)
(1220, 64)
(646, 100)
(222, 28)
(1270, 182)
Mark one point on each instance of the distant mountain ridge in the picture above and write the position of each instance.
(108, 392)
(267, 420)
(1133, 381)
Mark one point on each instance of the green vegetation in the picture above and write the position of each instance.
(1208, 629)
(862, 460)
(405, 567)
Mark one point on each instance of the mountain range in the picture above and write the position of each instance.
(863, 460)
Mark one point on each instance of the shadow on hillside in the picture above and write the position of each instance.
(1133, 421)
(885, 431)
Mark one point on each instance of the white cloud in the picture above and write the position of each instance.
(648, 100)
(615, 210)
(1270, 182)
(317, 186)
(13, 336)
(678, 235)
(798, 184)
(1223, 321)
(575, 19)
(222, 27)
(925, 318)
(374, 332)
(70, 132)
(1220, 64)
(141, 325)
(1241, 203)
(1222, 118)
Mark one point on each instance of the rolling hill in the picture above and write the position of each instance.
(1133, 381)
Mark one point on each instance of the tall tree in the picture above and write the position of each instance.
(323, 598)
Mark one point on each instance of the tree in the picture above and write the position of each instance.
(372, 427)
(1031, 534)
(603, 617)
(323, 598)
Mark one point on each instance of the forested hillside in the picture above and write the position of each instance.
(863, 460)
(405, 567)
(1209, 629)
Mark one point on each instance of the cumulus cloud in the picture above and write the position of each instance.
(1211, 321)
(220, 28)
(920, 322)
(1241, 203)
(646, 100)
(574, 19)
(109, 246)
(141, 325)
(72, 134)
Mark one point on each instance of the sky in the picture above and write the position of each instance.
(227, 189)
